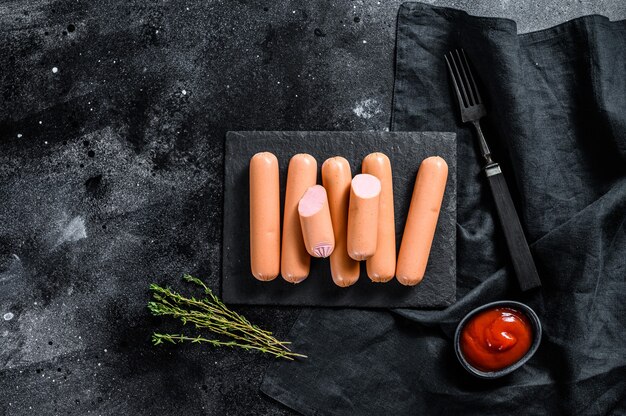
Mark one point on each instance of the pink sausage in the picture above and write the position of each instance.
(264, 216)
(337, 177)
(295, 261)
(317, 228)
(363, 216)
(421, 221)
(381, 267)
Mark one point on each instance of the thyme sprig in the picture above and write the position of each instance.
(211, 313)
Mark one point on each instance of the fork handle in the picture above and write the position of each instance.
(522, 260)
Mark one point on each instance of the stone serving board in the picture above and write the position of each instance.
(406, 150)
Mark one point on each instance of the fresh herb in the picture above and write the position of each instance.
(211, 313)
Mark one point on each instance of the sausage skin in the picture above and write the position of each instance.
(336, 177)
(317, 228)
(381, 267)
(295, 262)
(363, 216)
(264, 216)
(421, 221)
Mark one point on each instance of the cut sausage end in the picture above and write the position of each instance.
(366, 186)
(312, 201)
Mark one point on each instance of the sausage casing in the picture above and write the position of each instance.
(264, 216)
(317, 228)
(381, 267)
(295, 261)
(336, 177)
(363, 216)
(421, 221)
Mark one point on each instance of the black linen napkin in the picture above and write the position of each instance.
(556, 122)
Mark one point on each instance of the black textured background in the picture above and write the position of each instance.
(111, 175)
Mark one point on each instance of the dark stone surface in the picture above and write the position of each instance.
(111, 176)
(406, 150)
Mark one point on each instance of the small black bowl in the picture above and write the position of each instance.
(534, 321)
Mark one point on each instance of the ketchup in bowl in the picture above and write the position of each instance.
(496, 338)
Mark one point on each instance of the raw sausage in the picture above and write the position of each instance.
(421, 221)
(363, 216)
(317, 228)
(295, 262)
(336, 177)
(264, 216)
(381, 267)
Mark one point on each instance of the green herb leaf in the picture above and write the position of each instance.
(213, 315)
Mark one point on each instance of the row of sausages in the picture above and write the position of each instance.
(348, 219)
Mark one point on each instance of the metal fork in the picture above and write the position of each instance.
(472, 110)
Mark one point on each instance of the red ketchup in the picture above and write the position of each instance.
(496, 338)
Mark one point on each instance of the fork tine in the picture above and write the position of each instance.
(473, 85)
(466, 79)
(454, 81)
(459, 83)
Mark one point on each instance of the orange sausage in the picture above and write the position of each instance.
(264, 216)
(336, 177)
(363, 216)
(317, 228)
(381, 267)
(421, 221)
(295, 262)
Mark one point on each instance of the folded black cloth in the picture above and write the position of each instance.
(557, 124)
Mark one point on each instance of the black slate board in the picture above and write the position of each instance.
(406, 150)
